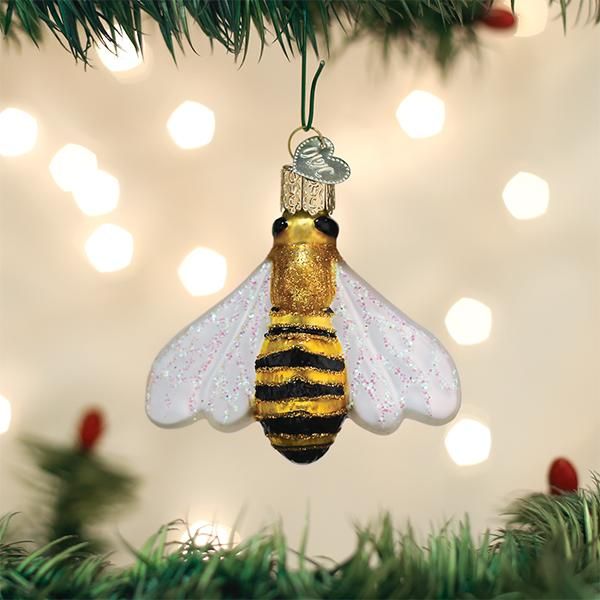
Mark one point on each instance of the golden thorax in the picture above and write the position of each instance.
(304, 262)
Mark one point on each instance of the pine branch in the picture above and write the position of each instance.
(550, 548)
(442, 27)
(78, 490)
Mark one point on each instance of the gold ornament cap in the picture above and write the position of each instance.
(300, 193)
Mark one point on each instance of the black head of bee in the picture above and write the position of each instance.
(278, 226)
(327, 226)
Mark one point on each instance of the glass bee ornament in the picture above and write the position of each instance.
(304, 342)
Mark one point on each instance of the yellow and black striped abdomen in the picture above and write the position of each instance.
(301, 391)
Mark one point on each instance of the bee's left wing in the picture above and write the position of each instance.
(396, 369)
(207, 370)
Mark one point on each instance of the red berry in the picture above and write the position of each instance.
(90, 429)
(499, 18)
(562, 477)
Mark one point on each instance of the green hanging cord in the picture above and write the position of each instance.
(311, 105)
(307, 123)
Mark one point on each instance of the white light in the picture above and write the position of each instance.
(18, 132)
(5, 414)
(191, 125)
(532, 17)
(98, 194)
(71, 165)
(125, 58)
(469, 321)
(203, 533)
(203, 271)
(421, 114)
(109, 248)
(468, 442)
(526, 196)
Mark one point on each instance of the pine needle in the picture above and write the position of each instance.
(440, 27)
(550, 548)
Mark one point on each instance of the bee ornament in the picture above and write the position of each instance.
(304, 342)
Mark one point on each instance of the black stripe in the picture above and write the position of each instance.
(327, 311)
(302, 425)
(303, 455)
(296, 357)
(281, 329)
(297, 389)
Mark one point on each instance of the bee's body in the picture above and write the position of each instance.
(301, 392)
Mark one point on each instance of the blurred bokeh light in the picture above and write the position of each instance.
(468, 442)
(191, 125)
(122, 58)
(469, 321)
(109, 248)
(204, 533)
(421, 114)
(72, 165)
(5, 414)
(98, 194)
(18, 132)
(526, 196)
(203, 271)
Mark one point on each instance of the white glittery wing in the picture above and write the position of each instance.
(207, 370)
(396, 369)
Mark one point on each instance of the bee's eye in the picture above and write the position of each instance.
(328, 226)
(279, 225)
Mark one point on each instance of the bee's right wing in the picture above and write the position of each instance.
(396, 368)
(207, 370)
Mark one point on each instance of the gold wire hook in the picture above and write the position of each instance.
(321, 138)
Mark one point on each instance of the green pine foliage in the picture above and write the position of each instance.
(77, 490)
(550, 548)
(441, 27)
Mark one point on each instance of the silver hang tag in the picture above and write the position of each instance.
(314, 160)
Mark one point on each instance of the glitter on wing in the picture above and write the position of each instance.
(207, 370)
(396, 368)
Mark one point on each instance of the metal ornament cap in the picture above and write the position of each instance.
(300, 193)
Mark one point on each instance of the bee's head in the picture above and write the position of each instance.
(302, 228)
